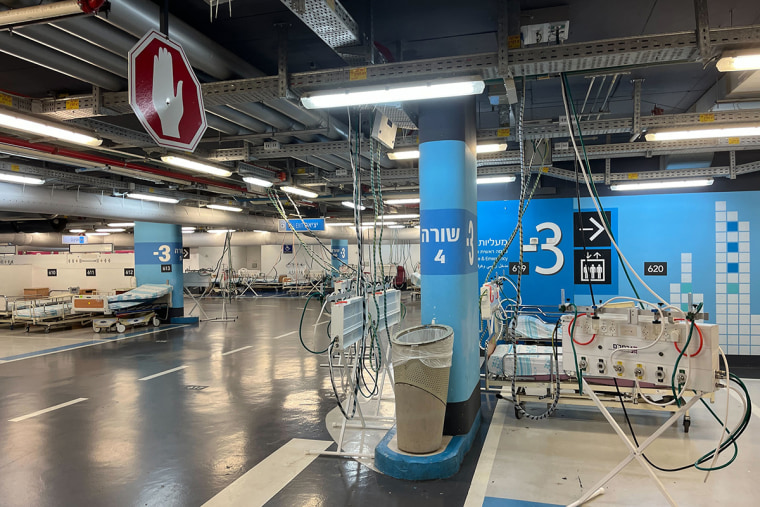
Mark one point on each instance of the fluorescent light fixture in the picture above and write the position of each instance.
(485, 180)
(188, 228)
(410, 200)
(188, 231)
(396, 227)
(259, 230)
(111, 229)
(381, 94)
(399, 216)
(653, 185)
(739, 60)
(416, 226)
(703, 133)
(220, 231)
(24, 180)
(195, 165)
(221, 207)
(257, 181)
(152, 198)
(339, 224)
(490, 147)
(122, 224)
(98, 234)
(39, 127)
(385, 223)
(414, 154)
(404, 155)
(349, 204)
(76, 231)
(299, 191)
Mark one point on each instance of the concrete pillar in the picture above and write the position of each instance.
(448, 246)
(158, 259)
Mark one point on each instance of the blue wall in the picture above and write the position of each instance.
(704, 239)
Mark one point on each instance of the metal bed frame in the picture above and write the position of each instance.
(66, 318)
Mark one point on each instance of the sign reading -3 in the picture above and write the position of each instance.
(89, 272)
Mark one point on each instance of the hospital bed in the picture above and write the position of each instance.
(6, 310)
(49, 312)
(138, 307)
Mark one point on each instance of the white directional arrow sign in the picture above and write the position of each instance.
(597, 226)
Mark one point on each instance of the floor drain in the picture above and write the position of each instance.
(195, 388)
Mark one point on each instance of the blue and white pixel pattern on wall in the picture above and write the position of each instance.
(732, 283)
(679, 292)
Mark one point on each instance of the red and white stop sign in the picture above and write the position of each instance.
(165, 93)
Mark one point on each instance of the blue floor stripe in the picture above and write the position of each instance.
(89, 342)
(508, 502)
(54, 349)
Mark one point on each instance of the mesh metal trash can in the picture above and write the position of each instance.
(421, 364)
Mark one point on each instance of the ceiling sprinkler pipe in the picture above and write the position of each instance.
(47, 12)
(99, 159)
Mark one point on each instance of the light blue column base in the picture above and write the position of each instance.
(427, 467)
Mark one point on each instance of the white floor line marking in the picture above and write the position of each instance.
(755, 408)
(259, 484)
(101, 341)
(163, 373)
(477, 493)
(284, 335)
(236, 350)
(46, 410)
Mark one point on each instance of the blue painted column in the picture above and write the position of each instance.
(339, 254)
(158, 259)
(448, 253)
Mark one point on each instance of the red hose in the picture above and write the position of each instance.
(701, 342)
(569, 327)
(99, 159)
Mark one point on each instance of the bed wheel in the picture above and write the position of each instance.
(47, 330)
(96, 329)
(518, 412)
(156, 322)
(120, 328)
(27, 329)
(686, 423)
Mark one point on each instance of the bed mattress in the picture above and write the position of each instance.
(47, 311)
(139, 295)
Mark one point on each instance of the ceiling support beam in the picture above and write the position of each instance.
(703, 30)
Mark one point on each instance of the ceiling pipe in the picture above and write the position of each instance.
(38, 54)
(99, 159)
(50, 11)
(28, 199)
(139, 16)
(98, 33)
(75, 48)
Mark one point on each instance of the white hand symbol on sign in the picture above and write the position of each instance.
(169, 106)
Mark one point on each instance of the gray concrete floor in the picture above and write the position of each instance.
(157, 442)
